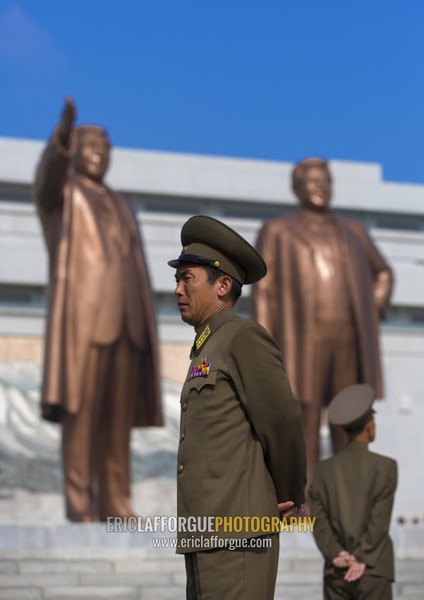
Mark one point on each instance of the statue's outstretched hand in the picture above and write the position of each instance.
(67, 120)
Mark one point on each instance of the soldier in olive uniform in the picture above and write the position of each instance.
(241, 451)
(352, 498)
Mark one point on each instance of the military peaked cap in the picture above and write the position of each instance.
(210, 242)
(352, 407)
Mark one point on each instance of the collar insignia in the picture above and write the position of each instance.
(203, 337)
(200, 340)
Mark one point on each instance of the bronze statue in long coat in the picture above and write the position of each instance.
(101, 370)
(326, 287)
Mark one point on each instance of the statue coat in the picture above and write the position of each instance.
(284, 300)
(75, 233)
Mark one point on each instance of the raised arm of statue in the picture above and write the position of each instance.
(67, 121)
(53, 168)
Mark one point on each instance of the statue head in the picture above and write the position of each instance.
(311, 182)
(93, 151)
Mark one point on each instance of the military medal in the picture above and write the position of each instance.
(201, 370)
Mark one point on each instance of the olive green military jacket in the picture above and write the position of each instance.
(241, 447)
(352, 498)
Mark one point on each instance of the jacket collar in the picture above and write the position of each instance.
(209, 328)
(356, 446)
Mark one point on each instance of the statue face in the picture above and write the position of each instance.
(93, 155)
(314, 190)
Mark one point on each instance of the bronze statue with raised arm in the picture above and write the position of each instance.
(326, 287)
(101, 369)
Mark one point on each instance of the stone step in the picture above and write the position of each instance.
(72, 561)
(154, 576)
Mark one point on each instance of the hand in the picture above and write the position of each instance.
(288, 509)
(343, 560)
(67, 120)
(355, 571)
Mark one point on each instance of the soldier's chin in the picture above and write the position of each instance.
(185, 317)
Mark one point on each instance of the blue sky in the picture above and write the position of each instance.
(266, 79)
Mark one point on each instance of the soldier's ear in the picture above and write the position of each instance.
(225, 284)
(371, 430)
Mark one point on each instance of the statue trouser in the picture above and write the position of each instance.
(365, 588)
(96, 440)
(335, 367)
(223, 574)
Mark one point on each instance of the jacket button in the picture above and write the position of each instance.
(180, 468)
(184, 406)
(182, 437)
